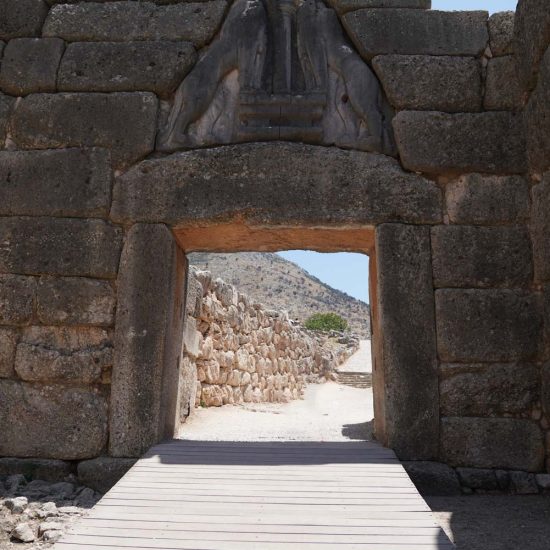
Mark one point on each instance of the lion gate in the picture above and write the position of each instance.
(135, 132)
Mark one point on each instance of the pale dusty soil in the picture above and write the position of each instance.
(361, 361)
(331, 412)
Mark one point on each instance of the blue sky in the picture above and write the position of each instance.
(344, 271)
(349, 272)
(489, 5)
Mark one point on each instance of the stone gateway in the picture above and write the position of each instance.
(134, 133)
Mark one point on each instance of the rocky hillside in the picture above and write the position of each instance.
(280, 284)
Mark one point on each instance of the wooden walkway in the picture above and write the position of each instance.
(263, 496)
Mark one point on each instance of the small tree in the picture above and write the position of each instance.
(326, 322)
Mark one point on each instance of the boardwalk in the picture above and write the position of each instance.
(263, 496)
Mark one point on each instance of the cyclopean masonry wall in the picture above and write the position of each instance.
(243, 352)
(449, 195)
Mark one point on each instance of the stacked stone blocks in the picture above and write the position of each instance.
(461, 219)
(244, 352)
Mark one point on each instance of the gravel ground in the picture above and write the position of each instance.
(495, 522)
(328, 412)
(34, 515)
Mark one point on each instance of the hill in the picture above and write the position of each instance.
(280, 284)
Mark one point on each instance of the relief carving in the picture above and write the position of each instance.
(280, 70)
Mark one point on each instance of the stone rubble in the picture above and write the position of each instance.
(39, 512)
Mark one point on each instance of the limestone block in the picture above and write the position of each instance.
(6, 105)
(30, 65)
(211, 396)
(441, 143)
(484, 200)
(481, 257)
(148, 341)
(545, 398)
(537, 121)
(248, 394)
(8, 345)
(101, 474)
(68, 182)
(502, 91)
(488, 389)
(193, 299)
(67, 423)
(523, 483)
(430, 83)
(501, 33)
(46, 354)
(531, 39)
(406, 312)
(21, 18)
(404, 31)
(506, 443)
(157, 67)
(341, 186)
(488, 325)
(17, 294)
(343, 6)
(234, 378)
(478, 478)
(540, 229)
(75, 301)
(191, 337)
(43, 246)
(125, 123)
(212, 372)
(237, 396)
(36, 468)
(242, 360)
(433, 478)
(124, 21)
(226, 293)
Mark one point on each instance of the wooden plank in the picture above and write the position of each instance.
(238, 492)
(372, 518)
(242, 509)
(266, 537)
(269, 496)
(176, 544)
(378, 527)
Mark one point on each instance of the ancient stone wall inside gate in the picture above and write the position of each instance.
(96, 214)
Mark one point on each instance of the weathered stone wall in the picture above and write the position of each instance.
(243, 352)
(94, 224)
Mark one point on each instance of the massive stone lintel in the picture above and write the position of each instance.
(275, 184)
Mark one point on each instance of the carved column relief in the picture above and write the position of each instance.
(280, 70)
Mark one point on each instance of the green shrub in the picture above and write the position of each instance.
(326, 322)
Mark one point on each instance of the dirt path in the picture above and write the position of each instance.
(360, 361)
(329, 412)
